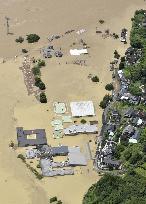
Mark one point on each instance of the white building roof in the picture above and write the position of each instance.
(82, 108)
(83, 128)
(131, 140)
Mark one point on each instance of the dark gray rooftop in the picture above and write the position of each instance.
(23, 140)
(136, 135)
(129, 129)
(111, 127)
(129, 112)
(60, 150)
(109, 161)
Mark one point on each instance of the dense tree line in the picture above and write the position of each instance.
(137, 71)
(131, 189)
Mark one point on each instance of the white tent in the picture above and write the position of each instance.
(78, 51)
(82, 108)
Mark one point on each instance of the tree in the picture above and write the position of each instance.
(42, 86)
(121, 65)
(20, 156)
(24, 51)
(109, 87)
(135, 41)
(135, 90)
(31, 38)
(36, 70)
(83, 121)
(95, 79)
(142, 138)
(43, 98)
(122, 59)
(53, 199)
(11, 144)
(118, 150)
(114, 189)
(136, 157)
(101, 21)
(59, 202)
(106, 99)
(116, 54)
(19, 39)
(41, 63)
(37, 81)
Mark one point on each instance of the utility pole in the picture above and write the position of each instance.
(7, 24)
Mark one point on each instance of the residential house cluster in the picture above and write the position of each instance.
(136, 120)
(124, 94)
(131, 122)
(132, 56)
(104, 157)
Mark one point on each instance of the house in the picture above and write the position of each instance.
(135, 137)
(82, 108)
(108, 161)
(80, 129)
(31, 137)
(128, 130)
(134, 100)
(60, 151)
(111, 127)
(132, 55)
(129, 113)
(137, 121)
(115, 116)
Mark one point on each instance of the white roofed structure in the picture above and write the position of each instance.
(77, 52)
(80, 129)
(82, 108)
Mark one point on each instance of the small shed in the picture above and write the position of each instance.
(59, 107)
